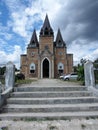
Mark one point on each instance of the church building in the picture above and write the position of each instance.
(46, 58)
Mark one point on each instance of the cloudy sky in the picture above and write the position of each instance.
(77, 19)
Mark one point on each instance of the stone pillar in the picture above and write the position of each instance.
(39, 68)
(50, 69)
(9, 75)
(52, 75)
(89, 74)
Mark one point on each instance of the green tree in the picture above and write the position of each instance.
(75, 68)
(2, 70)
(96, 63)
(96, 70)
(80, 70)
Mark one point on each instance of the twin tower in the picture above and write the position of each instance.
(46, 58)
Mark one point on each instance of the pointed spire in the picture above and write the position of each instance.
(34, 41)
(34, 37)
(59, 36)
(46, 28)
(59, 39)
(46, 23)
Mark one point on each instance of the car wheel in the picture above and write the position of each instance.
(67, 79)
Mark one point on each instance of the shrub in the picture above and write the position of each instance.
(19, 76)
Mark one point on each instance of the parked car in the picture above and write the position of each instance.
(62, 76)
(72, 76)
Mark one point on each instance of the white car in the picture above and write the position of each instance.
(62, 76)
(72, 76)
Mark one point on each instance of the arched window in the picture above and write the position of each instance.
(60, 43)
(60, 68)
(33, 44)
(32, 68)
(46, 32)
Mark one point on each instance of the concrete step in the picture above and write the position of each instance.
(48, 116)
(39, 94)
(33, 89)
(51, 108)
(58, 100)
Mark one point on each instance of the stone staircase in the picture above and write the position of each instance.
(50, 102)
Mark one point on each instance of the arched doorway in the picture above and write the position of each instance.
(45, 68)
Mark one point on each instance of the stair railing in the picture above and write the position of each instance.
(7, 88)
(90, 78)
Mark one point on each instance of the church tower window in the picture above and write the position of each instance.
(46, 32)
(60, 68)
(32, 68)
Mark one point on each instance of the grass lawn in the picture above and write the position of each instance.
(25, 81)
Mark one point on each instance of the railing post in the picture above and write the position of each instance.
(89, 74)
(9, 75)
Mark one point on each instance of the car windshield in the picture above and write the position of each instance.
(73, 74)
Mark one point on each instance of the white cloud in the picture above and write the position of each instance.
(14, 56)
(6, 35)
(3, 57)
(19, 24)
(2, 43)
(24, 19)
(93, 55)
(83, 49)
(71, 16)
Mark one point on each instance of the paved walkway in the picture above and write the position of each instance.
(74, 124)
(51, 83)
